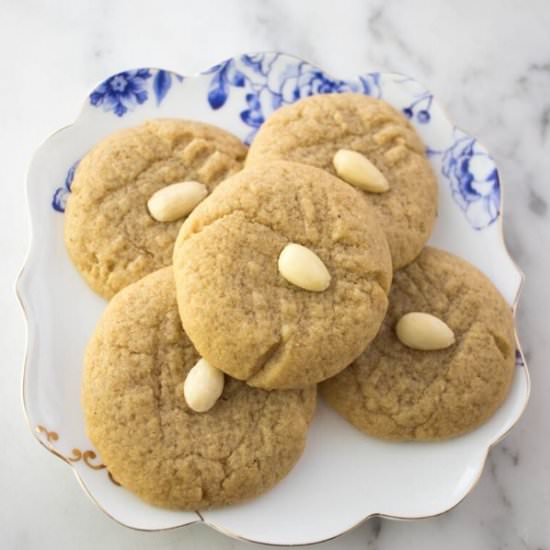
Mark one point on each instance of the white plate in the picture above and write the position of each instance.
(344, 477)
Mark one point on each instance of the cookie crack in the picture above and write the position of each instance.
(228, 470)
(500, 343)
(156, 387)
(263, 361)
(256, 417)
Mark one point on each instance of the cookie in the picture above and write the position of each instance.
(313, 129)
(394, 392)
(110, 235)
(152, 443)
(242, 315)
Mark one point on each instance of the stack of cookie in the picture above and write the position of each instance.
(237, 290)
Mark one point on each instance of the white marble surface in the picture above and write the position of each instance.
(488, 62)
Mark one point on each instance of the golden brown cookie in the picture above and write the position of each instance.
(151, 442)
(313, 129)
(239, 311)
(110, 235)
(395, 392)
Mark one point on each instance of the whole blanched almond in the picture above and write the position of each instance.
(203, 386)
(358, 170)
(176, 200)
(423, 331)
(302, 267)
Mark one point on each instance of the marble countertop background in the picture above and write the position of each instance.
(488, 62)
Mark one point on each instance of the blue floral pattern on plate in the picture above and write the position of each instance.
(520, 362)
(59, 200)
(272, 80)
(420, 108)
(123, 91)
(473, 179)
(258, 84)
